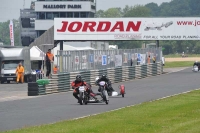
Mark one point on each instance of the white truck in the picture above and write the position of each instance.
(10, 57)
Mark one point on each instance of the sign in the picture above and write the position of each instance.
(61, 6)
(84, 62)
(12, 41)
(91, 58)
(76, 60)
(109, 58)
(118, 60)
(139, 57)
(54, 6)
(74, 6)
(104, 60)
(127, 28)
(125, 58)
(95, 58)
(143, 59)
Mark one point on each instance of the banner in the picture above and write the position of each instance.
(91, 58)
(104, 60)
(174, 28)
(12, 41)
(76, 60)
(118, 60)
(142, 59)
(84, 62)
(125, 58)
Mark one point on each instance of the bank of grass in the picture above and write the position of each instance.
(179, 55)
(178, 114)
(178, 64)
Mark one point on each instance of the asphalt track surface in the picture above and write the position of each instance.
(52, 108)
(13, 91)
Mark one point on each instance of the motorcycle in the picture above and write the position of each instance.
(195, 69)
(85, 95)
(115, 93)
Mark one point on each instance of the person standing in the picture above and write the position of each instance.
(49, 59)
(149, 60)
(20, 73)
(154, 59)
(55, 69)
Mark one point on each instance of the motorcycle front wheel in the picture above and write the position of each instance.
(81, 98)
(105, 96)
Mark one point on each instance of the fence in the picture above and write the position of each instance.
(71, 61)
(61, 82)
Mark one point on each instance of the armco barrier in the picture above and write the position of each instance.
(62, 82)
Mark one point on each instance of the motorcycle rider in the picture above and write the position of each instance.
(196, 63)
(104, 78)
(76, 84)
(79, 82)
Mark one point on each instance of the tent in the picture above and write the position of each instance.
(36, 54)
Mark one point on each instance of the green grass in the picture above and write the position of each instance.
(179, 55)
(179, 64)
(178, 114)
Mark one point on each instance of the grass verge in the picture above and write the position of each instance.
(178, 64)
(178, 114)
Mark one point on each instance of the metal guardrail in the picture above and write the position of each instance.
(85, 60)
(62, 82)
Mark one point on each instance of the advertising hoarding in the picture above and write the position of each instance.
(127, 28)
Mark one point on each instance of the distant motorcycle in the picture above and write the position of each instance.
(195, 68)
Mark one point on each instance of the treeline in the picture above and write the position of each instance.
(175, 8)
(5, 33)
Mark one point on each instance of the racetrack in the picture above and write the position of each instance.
(13, 91)
(53, 108)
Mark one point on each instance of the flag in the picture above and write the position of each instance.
(11, 33)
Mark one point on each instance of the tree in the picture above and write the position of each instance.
(99, 14)
(138, 11)
(5, 32)
(195, 6)
(113, 13)
(154, 8)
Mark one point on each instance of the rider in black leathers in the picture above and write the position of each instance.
(104, 78)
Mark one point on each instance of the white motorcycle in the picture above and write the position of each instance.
(195, 69)
(104, 93)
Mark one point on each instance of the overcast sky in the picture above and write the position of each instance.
(10, 9)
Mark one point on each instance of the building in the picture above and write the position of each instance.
(40, 17)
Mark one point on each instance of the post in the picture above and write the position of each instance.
(52, 66)
(157, 43)
(61, 45)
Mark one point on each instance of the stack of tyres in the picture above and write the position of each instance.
(33, 89)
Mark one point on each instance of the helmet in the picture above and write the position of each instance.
(78, 78)
(103, 76)
(96, 78)
(196, 61)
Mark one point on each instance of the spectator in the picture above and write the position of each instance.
(148, 60)
(49, 60)
(154, 59)
(55, 69)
